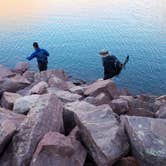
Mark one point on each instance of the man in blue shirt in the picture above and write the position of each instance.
(41, 55)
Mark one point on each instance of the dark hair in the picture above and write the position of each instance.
(35, 44)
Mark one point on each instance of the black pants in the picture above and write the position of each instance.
(42, 66)
(109, 74)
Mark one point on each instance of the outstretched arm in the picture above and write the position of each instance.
(33, 55)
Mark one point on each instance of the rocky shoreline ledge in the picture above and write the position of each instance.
(48, 120)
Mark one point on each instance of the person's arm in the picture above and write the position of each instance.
(33, 55)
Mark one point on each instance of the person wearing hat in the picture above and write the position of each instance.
(112, 66)
(41, 55)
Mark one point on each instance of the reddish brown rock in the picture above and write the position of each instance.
(39, 88)
(119, 106)
(140, 112)
(100, 129)
(5, 72)
(8, 99)
(46, 75)
(147, 138)
(127, 161)
(57, 83)
(102, 86)
(29, 75)
(57, 150)
(45, 116)
(64, 96)
(161, 113)
(9, 123)
(14, 84)
(21, 67)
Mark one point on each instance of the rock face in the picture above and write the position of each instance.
(39, 88)
(102, 86)
(8, 100)
(24, 104)
(14, 84)
(64, 96)
(57, 150)
(44, 117)
(21, 67)
(100, 130)
(5, 72)
(148, 139)
(9, 123)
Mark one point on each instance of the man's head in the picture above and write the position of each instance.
(35, 45)
(104, 53)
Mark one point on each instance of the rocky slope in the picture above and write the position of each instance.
(48, 120)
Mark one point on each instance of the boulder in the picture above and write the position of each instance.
(140, 112)
(46, 75)
(127, 161)
(14, 84)
(39, 88)
(58, 150)
(21, 67)
(161, 113)
(77, 89)
(9, 123)
(102, 86)
(24, 104)
(147, 138)
(5, 72)
(8, 99)
(29, 75)
(44, 116)
(100, 129)
(56, 82)
(119, 106)
(64, 96)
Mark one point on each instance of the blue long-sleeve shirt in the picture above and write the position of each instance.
(40, 54)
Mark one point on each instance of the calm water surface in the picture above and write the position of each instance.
(74, 31)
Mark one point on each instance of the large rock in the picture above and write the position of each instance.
(161, 113)
(14, 84)
(102, 86)
(57, 150)
(9, 123)
(100, 131)
(148, 139)
(64, 96)
(119, 106)
(29, 75)
(5, 72)
(8, 99)
(21, 67)
(39, 88)
(46, 75)
(56, 82)
(24, 104)
(77, 89)
(43, 117)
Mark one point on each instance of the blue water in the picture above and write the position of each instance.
(75, 31)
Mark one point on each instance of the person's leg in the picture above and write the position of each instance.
(40, 66)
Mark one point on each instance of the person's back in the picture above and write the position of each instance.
(41, 55)
(112, 66)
